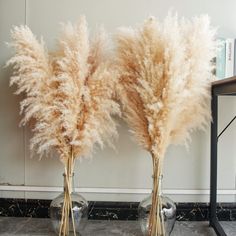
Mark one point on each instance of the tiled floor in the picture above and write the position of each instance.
(41, 227)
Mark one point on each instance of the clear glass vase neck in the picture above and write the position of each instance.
(160, 179)
(68, 182)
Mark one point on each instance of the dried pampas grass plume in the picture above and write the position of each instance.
(69, 95)
(164, 87)
(86, 87)
(34, 76)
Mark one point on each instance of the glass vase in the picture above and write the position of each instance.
(79, 209)
(167, 212)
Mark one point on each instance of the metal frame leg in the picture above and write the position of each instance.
(213, 183)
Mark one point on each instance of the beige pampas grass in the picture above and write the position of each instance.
(165, 75)
(86, 87)
(34, 77)
(69, 94)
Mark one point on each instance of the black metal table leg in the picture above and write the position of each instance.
(213, 184)
(213, 180)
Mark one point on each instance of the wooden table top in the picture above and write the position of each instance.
(224, 81)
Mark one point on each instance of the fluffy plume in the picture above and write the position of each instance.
(86, 86)
(165, 75)
(34, 77)
(164, 86)
(69, 93)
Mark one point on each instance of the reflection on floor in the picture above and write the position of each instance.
(41, 227)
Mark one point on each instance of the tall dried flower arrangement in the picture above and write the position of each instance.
(164, 86)
(68, 94)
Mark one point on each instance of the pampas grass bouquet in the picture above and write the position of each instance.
(68, 94)
(159, 76)
(164, 87)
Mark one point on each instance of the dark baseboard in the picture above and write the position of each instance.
(114, 210)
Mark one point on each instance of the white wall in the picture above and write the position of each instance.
(125, 174)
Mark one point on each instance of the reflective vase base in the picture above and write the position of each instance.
(80, 213)
(168, 212)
